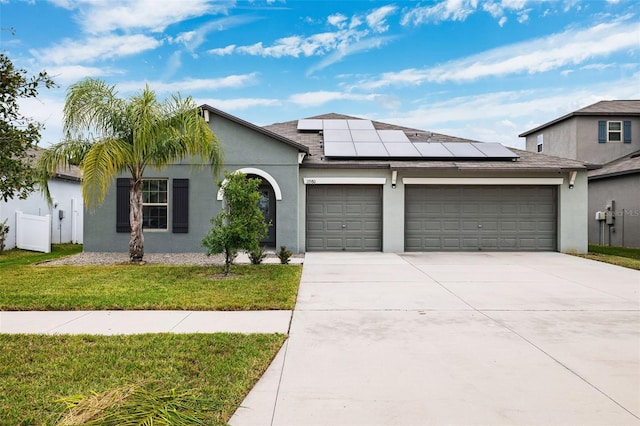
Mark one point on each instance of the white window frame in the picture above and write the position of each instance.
(619, 131)
(164, 204)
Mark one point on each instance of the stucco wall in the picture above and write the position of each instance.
(600, 153)
(243, 147)
(625, 191)
(558, 140)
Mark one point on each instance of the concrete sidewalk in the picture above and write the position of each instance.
(456, 338)
(137, 322)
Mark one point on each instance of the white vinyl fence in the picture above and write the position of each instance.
(33, 232)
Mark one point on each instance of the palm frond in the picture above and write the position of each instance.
(61, 155)
(104, 161)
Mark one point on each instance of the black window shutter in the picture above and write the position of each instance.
(180, 206)
(626, 127)
(602, 131)
(122, 205)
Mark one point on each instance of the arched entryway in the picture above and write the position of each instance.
(269, 193)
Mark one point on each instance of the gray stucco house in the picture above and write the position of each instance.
(605, 134)
(341, 183)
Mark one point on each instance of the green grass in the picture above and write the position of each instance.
(17, 257)
(36, 371)
(27, 286)
(620, 256)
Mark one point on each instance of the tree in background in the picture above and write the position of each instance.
(106, 136)
(240, 225)
(18, 134)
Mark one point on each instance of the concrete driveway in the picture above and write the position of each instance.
(456, 338)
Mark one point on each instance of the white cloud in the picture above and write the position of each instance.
(571, 47)
(377, 19)
(338, 20)
(94, 48)
(239, 103)
(101, 16)
(193, 39)
(323, 97)
(67, 74)
(191, 85)
(223, 51)
(454, 10)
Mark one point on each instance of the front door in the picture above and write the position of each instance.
(267, 204)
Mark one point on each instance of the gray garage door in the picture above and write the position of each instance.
(468, 218)
(344, 217)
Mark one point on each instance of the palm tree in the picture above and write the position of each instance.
(107, 136)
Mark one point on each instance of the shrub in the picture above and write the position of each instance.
(257, 255)
(284, 255)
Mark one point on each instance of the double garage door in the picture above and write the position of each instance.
(437, 218)
(468, 218)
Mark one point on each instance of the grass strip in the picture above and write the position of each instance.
(27, 286)
(620, 256)
(38, 373)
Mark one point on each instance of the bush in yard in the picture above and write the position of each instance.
(4, 230)
(284, 255)
(240, 224)
(257, 256)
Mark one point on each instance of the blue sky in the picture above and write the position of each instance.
(484, 70)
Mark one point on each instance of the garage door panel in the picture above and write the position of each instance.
(471, 217)
(351, 217)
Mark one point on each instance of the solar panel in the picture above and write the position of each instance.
(393, 136)
(371, 149)
(463, 150)
(331, 136)
(335, 124)
(309, 125)
(359, 139)
(402, 150)
(433, 150)
(360, 125)
(365, 136)
(494, 150)
(339, 150)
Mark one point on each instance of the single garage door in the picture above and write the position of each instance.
(467, 218)
(344, 217)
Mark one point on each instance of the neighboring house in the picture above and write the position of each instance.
(606, 133)
(66, 213)
(394, 189)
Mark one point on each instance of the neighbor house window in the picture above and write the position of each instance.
(540, 141)
(614, 131)
(155, 203)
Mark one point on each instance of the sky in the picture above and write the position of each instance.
(483, 70)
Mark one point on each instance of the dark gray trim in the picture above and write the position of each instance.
(180, 208)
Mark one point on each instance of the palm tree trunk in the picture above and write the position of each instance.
(136, 243)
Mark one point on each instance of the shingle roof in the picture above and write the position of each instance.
(71, 173)
(528, 161)
(602, 108)
(629, 164)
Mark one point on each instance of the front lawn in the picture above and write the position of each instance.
(27, 286)
(214, 371)
(621, 256)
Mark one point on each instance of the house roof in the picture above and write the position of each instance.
(72, 173)
(528, 161)
(263, 130)
(629, 164)
(603, 108)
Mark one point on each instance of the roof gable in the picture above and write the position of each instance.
(629, 108)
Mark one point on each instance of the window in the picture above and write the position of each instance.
(614, 131)
(154, 204)
(540, 140)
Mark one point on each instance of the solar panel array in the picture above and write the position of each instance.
(360, 139)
